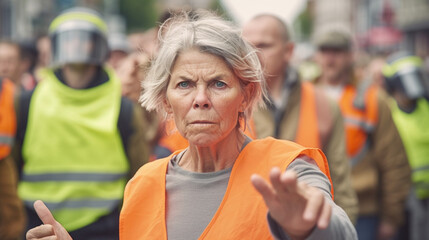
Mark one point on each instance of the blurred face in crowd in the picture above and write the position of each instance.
(10, 61)
(267, 35)
(116, 57)
(335, 63)
(205, 98)
(44, 49)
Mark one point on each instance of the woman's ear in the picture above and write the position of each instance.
(167, 106)
(249, 90)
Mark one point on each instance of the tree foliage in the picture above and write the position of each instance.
(139, 14)
(303, 25)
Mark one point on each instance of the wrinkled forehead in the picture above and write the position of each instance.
(197, 61)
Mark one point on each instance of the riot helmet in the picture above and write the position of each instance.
(78, 35)
(404, 72)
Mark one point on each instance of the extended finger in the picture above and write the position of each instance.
(40, 232)
(315, 202)
(275, 174)
(289, 181)
(325, 216)
(43, 212)
(283, 183)
(263, 187)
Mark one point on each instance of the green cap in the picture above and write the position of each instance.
(333, 38)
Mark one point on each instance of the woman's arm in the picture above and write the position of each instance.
(300, 205)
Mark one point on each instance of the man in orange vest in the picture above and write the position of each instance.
(380, 170)
(298, 111)
(12, 218)
(15, 63)
(10, 61)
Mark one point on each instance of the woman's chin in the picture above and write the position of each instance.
(203, 140)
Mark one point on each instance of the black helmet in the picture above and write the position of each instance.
(78, 35)
(403, 72)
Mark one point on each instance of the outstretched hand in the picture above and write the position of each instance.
(295, 206)
(51, 229)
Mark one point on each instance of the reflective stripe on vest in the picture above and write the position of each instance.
(73, 154)
(79, 204)
(6, 140)
(76, 177)
(7, 116)
(242, 213)
(359, 123)
(414, 131)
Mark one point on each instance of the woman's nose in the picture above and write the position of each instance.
(202, 99)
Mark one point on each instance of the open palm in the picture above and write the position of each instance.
(296, 207)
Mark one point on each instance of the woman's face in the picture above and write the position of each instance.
(205, 97)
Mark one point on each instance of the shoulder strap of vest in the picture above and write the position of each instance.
(125, 121)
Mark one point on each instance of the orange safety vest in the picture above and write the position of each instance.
(242, 213)
(7, 117)
(315, 121)
(359, 121)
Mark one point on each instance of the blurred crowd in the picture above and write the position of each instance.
(72, 131)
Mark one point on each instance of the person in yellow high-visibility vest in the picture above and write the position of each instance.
(78, 139)
(408, 84)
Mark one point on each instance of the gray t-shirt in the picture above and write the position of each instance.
(193, 199)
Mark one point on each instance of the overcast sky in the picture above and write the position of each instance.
(243, 10)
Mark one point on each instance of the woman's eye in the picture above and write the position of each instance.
(183, 84)
(219, 84)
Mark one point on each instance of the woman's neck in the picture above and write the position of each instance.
(216, 157)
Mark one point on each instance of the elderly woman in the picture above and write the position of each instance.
(208, 80)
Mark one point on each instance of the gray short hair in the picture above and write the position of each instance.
(209, 34)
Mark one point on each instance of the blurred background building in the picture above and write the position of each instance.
(413, 20)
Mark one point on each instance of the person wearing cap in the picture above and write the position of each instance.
(78, 141)
(297, 111)
(408, 84)
(380, 170)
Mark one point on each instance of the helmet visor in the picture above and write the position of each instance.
(414, 83)
(78, 46)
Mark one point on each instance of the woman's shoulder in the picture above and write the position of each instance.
(152, 169)
(273, 150)
(276, 149)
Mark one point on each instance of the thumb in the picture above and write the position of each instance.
(43, 212)
(46, 216)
